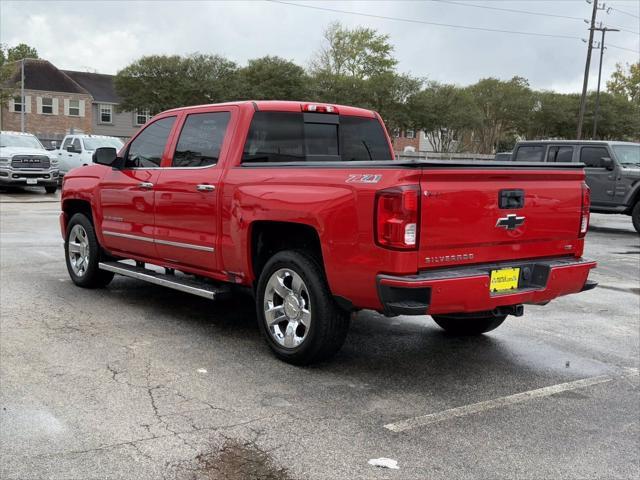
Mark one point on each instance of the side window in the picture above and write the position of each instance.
(146, 149)
(275, 137)
(66, 143)
(560, 154)
(200, 139)
(532, 153)
(592, 156)
(76, 145)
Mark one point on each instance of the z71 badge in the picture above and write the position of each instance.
(360, 178)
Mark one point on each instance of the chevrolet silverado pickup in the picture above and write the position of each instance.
(304, 205)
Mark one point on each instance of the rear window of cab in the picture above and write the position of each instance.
(300, 137)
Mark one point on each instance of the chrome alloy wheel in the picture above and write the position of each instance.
(79, 250)
(287, 309)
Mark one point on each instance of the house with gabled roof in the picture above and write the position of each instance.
(59, 102)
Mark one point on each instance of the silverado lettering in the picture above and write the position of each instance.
(287, 200)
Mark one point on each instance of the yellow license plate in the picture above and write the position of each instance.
(504, 279)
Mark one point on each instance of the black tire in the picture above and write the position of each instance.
(466, 325)
(53, 189)
(329, 323)
(92, 276)
(635, 216)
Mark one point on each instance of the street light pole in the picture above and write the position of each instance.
(22, 107)
(597, 109)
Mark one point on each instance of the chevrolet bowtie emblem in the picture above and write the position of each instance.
(510, 222)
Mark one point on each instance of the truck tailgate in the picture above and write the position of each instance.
(463, 220)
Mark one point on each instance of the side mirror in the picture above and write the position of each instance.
(105, 156)
(607, 163)
(72, 149)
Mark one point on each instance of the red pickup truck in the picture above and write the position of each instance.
(304, 205)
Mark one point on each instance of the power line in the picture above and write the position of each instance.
(424, 22)
(623, 12)
(437, 24)
(526, 12)
(623, 48)
(512, 10)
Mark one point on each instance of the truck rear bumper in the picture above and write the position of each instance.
(466, 289)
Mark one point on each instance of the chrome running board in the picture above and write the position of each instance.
(182, 283)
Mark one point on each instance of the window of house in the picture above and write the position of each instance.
(532, 153)
(560, 154)
(74, 108)
(106, 113)
(201, 139)
(592, 156)
(17, 104)
(47, 105)
(141, 116)
(146, 150)
(410, 134)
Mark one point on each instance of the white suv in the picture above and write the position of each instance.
(77, 150)
(24, 161)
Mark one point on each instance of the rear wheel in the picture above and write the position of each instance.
(635, 216)
(469, 324)
(297, 314)
(83, 253)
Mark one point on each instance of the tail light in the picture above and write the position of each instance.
(397, 217)
(584, 215)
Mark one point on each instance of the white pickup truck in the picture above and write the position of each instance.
(24, 161)
(77, 150)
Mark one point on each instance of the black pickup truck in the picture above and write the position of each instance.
(612, 170)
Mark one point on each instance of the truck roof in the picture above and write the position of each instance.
(283, 106)
(576, 142)
(11, 132)
(87, 135)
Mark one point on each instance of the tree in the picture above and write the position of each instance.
(445, 113)
(625, 81)
(505, 109)
(159, 82)
(20, 51)
(359, 53)
(554, 115)
(356, 67)
(272, 78)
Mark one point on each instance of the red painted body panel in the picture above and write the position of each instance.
(457, 217)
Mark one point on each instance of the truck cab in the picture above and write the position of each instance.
(612, 170)
(77, 150)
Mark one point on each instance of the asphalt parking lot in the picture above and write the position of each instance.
(136, 381)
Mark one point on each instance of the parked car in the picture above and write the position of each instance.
(304, 206)
(24, 161)
(77, 150)
(612, 169)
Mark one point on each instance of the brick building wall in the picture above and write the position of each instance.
(50, 126)
(401, 140)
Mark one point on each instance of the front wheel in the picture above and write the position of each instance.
(635, 216)
(468, 324)
(297, 314)
(82, 252)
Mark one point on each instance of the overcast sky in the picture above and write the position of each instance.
(106, 36)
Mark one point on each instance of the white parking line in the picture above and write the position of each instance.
(465, 410)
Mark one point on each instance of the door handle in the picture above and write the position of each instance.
(204, 187)
(147, 185)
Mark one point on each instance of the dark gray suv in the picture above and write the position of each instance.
(612, 170)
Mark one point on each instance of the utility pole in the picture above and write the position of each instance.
(22, 109)
(583, 98)
(597, 109)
